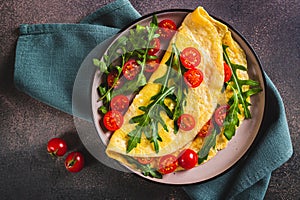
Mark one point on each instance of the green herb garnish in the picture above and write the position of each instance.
(239, 97)
(146, 170)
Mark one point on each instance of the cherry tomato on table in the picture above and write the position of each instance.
(119, 103)
(193, 77)
(206, 129)
(190, 57)
(145, 160)
(220, 114)
(188, 159)
(113, 120)
(152, 65)
(111, 79)
(167, 164)
(186, 122)
(166, 28)
(131, 69)
(227, 73)
(155, 46)
(74, 162)
(57, 147)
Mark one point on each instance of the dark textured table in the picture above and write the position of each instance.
(28, 172)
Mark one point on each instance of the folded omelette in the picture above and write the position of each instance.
(207, 35)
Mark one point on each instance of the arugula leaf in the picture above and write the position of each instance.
(150, 118)
(239, 97)
(146, 170)
(208, 143)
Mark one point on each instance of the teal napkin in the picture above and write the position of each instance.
(48, 57)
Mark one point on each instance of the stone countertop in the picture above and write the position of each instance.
(27, 171)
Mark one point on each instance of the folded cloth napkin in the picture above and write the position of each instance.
(48, 57)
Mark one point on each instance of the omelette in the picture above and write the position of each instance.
(200, 31)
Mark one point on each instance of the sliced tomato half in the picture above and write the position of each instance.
(227, 73)
(155, 46)
(166, 28)
(113, 120)
(193, 77)
(119, 103)
(220, 114)
(130, 69)
(186, 122)
(152, 65)
(190, 57)
(167, 164)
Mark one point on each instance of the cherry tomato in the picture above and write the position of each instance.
(74, 161)
(167, 164)
(155, 44)
(119, 103)
(111, 78)
(227, 73)
(57, 147)
(186, 122)
(206, 129)
(145, 160)
(152, 65)
(167, 28)
(193, 77)
(220, 114)
(188, 159)
(131, 69)
(190, 57)
(113, 120)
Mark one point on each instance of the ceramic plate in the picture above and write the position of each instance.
(246, 133)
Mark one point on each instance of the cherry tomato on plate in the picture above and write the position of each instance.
(119, 103)
(167, 164)
(206, 129)
(167, 28)
(111, 79)
(193, 77)
(227, 73)
(131, 69)
(190, 57)
(186, 122)
(220, 114)
(155, 46)
(57, 147)
(113, 120)
(152, 65)
(74, 161)
(188, 159)
(145, 160)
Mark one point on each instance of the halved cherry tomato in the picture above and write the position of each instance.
(152, 65)
(167, 28)
(111, 78)
(113, 120)
(188, 159)
(220, 114)
(206, 129)
(155, 44)
(57, 147)
(119, 103)
(186, 122)
(74, 162)
(145, 160)
(131, 69)
(167, 164)
(227, 73)
(190, 57)
(193, 77)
